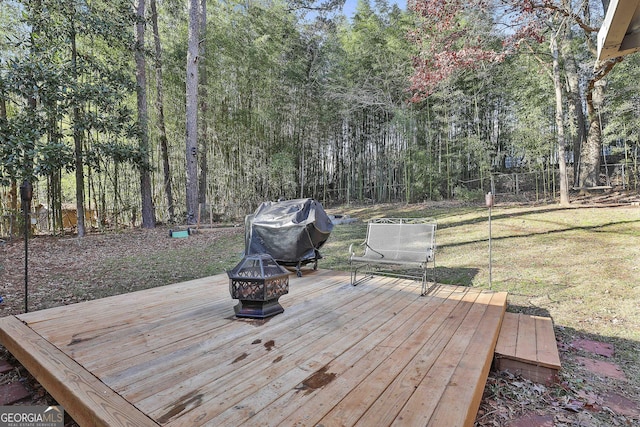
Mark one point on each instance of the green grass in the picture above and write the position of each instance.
(565, 262)
(578, 265)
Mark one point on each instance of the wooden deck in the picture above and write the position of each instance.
(375, 354)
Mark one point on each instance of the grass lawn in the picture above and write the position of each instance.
(581, 266)
(578, 265)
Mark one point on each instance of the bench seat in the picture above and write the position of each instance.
(405, 242)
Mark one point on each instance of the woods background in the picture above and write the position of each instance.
(99, 110)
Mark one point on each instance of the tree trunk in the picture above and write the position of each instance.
(562, 149)
(54, 194)
(77, 140)
(55, 203)
(202, 192)
(591, 149)
(192, 113)
(32, 102)
(13, 192)
(164, 146)
(148, 217)
(575, 112)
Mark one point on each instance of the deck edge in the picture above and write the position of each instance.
(68, 382)
(495, 308)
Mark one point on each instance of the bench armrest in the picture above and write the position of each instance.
(351, 252)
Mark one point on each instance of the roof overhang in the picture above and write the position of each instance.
(620, 31)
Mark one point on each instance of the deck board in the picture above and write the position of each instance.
(527, 346)
(90, 401)
(375, 354)
(459, 388)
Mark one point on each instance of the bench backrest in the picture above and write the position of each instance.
(400, 239)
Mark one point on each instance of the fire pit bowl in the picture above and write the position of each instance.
(257, 282)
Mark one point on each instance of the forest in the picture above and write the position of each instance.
(179, 111)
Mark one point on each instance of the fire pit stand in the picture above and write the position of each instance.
(258, 281)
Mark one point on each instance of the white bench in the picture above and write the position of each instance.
(400, 242)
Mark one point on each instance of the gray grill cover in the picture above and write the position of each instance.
(291, 231)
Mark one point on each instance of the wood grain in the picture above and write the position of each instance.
(535, 353)
(83, 396)
(376, 354)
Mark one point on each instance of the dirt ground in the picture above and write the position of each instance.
(67, 270)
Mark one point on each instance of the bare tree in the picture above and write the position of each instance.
(77, 138)
(164, 146)
(577, 125)
(562, 145)
(148, 217)
(204, 123)
(191, 151)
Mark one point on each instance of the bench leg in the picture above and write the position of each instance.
(425, 291)
(354, 272)
(424, 282)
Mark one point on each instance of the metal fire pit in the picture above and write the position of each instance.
(258, 281)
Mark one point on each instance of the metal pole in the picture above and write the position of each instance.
(489, 202)
(490, 257)
(26, 254)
